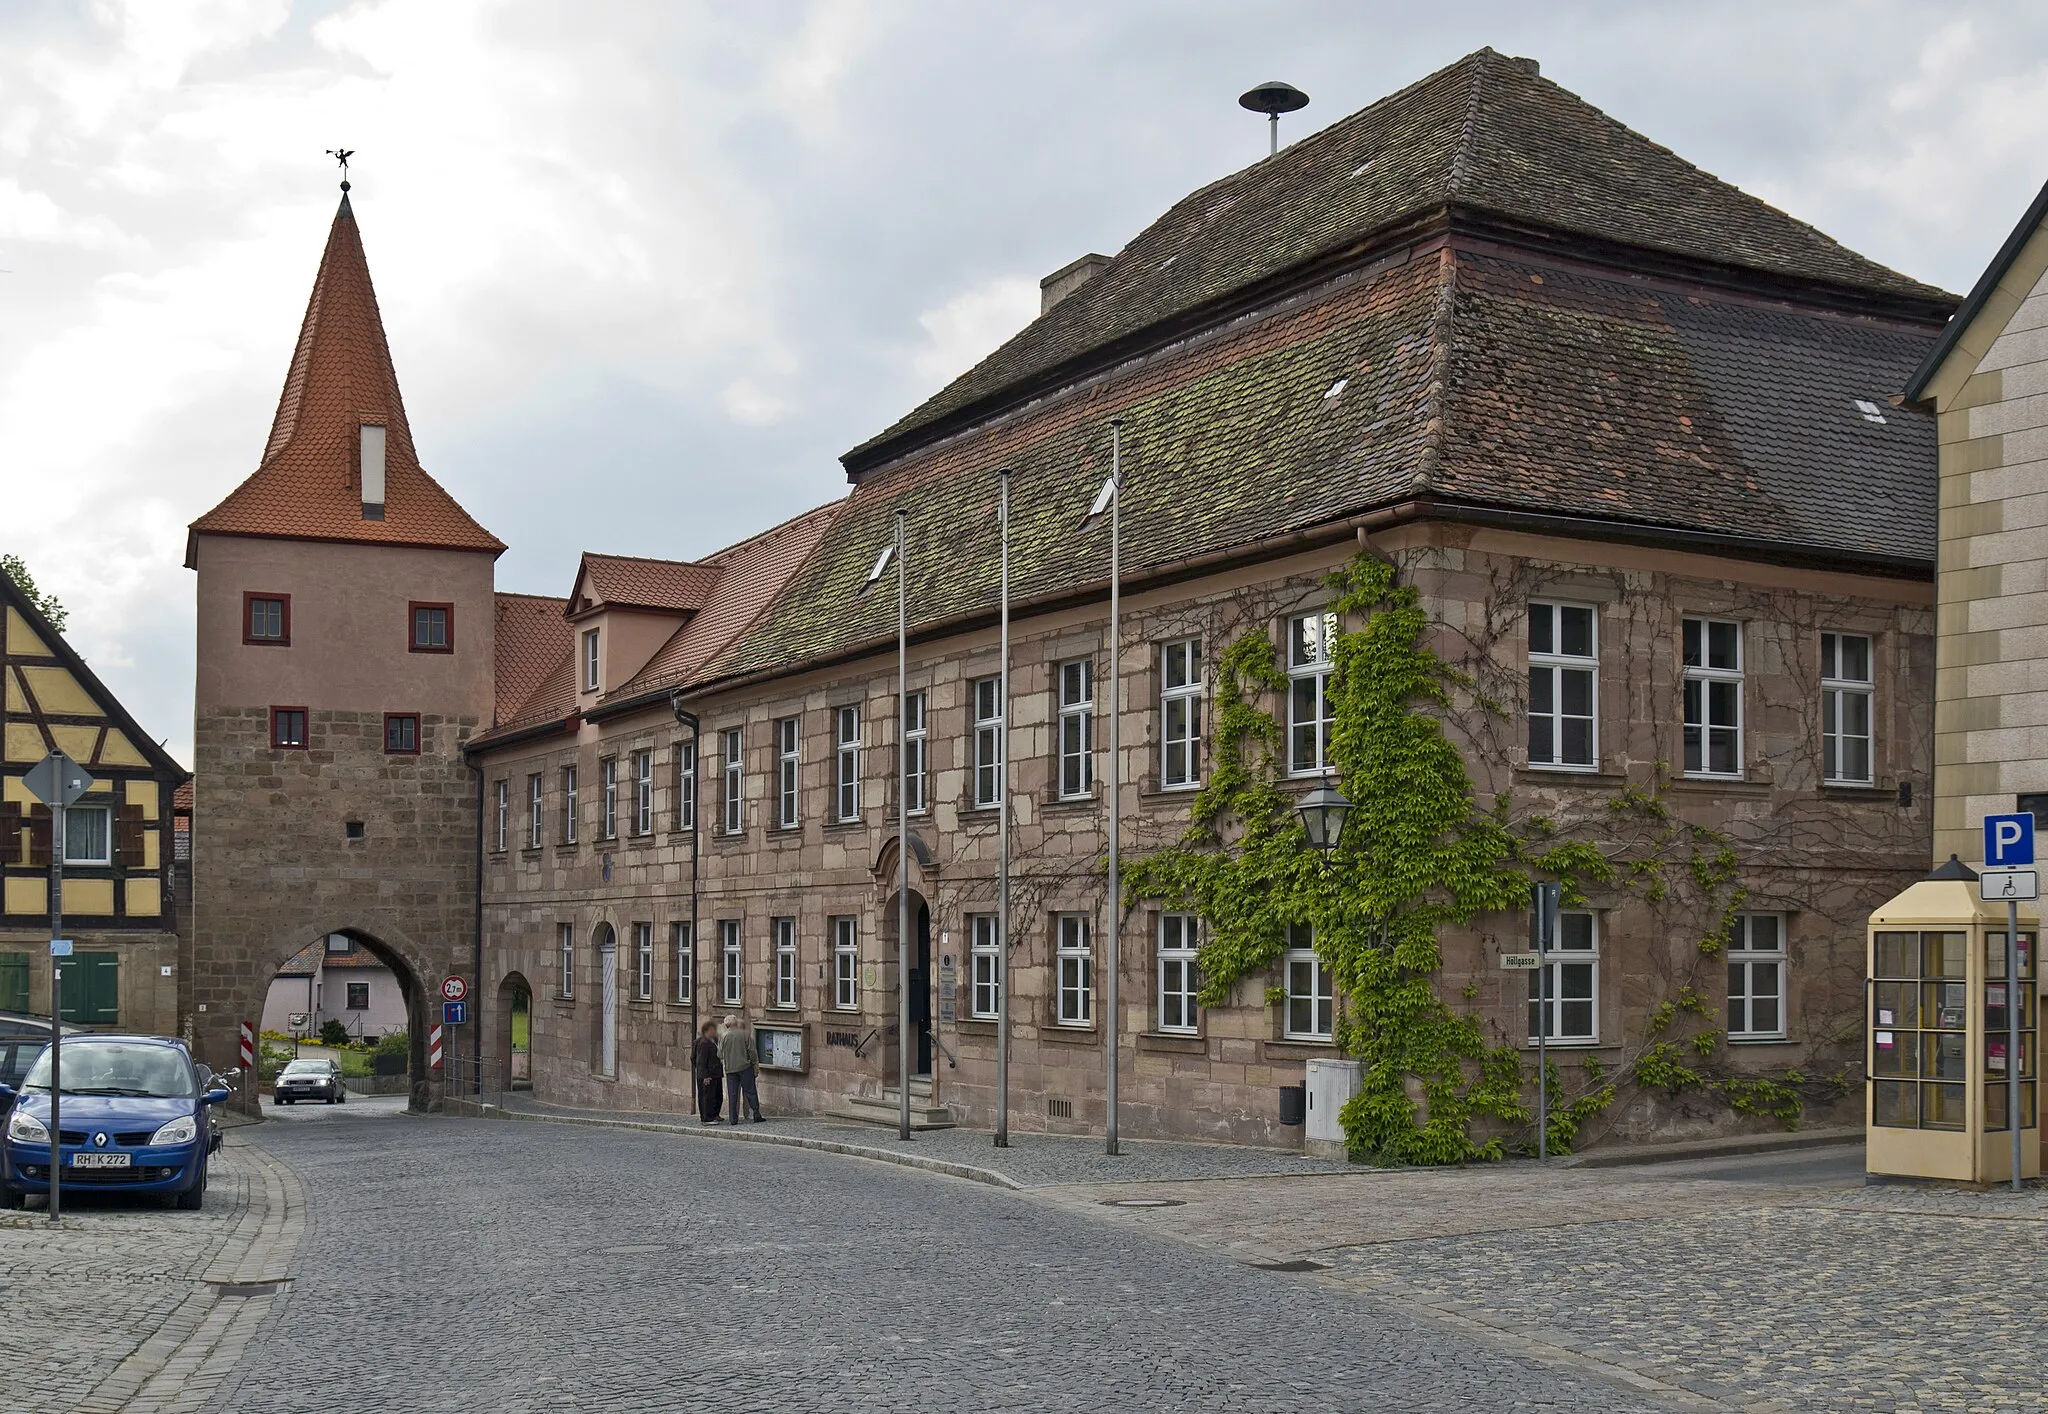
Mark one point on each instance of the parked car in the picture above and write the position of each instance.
(307, 1079)
(22, 1038)
(134, 1119)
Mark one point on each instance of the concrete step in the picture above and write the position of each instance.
(886, 1109)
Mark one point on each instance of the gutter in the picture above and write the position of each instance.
(552, 727)
(477, 941)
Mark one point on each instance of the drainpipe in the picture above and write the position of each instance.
(689, 719)
(477, 947)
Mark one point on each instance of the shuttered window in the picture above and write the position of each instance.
(13, 981)
(92, 988)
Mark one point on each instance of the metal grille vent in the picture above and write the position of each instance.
(1059, 1109)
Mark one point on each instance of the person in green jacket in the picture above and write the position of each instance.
(736, 1054)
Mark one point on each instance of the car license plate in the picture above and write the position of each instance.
(101, 1161)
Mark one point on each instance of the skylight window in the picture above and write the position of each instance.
(1336, 388)
(1362, 168)
(1168, 261)
(1870, 410)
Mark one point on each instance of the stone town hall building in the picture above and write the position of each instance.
(1628, 430)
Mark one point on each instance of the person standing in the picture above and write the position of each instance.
(736, 1055)
(710, 1074)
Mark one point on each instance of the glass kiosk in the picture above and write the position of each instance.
(1937, 1035)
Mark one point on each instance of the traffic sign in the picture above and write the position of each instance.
(299, 1020)
(2001, 885)
(454, 1013)
(57, 780)
(1520, 961)
(60, 947)
(2008, 840)
(454, 989)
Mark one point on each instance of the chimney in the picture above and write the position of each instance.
(373, 471)
(1069, 278)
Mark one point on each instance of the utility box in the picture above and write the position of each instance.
(1330, 1085)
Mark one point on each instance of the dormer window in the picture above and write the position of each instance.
(372, 466)
(590, 660)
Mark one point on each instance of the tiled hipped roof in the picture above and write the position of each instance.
(532, 637)
(1487, 136)
(308, 485)
(630, 582)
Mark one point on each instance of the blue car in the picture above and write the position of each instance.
(134, 1115)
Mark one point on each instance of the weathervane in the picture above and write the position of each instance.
(341, 155)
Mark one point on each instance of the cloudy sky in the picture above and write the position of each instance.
(648, 268)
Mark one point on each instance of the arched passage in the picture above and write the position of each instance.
(509, 1058)
(916, 978)
(340, 984)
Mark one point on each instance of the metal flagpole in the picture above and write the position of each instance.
(1003, 851)
(2012, 1033)
(1116, 504)
(902, 843)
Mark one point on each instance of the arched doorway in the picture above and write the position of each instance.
(605, 949)
(350, 996)
(917, 979)
(513, 1048)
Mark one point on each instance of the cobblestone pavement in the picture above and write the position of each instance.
(122, 1307)
(461, 1264)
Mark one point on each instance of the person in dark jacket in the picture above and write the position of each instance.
(710, 1074)
(736, 1054)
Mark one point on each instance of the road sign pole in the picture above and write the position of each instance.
(56, 999)
(1542, 1021)
(2012, 1033)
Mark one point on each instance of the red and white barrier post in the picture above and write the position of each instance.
(434, 1048)
(249, 1046)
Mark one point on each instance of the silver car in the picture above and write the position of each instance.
(310, 1080)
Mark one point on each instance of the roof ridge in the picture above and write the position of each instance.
(521, 594)
(776, 529)
(639, 559)
(1461, 168)
(1436, 380)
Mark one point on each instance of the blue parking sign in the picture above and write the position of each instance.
(454, 1013)
(2008, 840)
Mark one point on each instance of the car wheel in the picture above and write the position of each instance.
(343, 1099)
(192, 1198)
(333, 1099)
(11, 1200)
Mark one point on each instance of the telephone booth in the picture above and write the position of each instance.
(1936, 1033)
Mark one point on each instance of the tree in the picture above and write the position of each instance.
(47, 603)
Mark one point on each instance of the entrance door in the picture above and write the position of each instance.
(608, 1043)
(921, 989)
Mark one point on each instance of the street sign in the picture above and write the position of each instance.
(2001, 885)
(454, 1013)
(2008, 840)
(57, 780)
(298, 1020)
(454, 989)
(1544, 898)
(1520, 961)
(60, 947)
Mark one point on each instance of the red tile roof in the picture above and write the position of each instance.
(308, 485)
(181, 799)
(532, 636)
(630, 582)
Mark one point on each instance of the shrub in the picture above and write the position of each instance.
(333, 1032)
(394, 1043)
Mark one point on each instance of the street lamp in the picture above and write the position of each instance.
(1322, 812)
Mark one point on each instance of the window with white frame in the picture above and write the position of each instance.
(568, 805)
(1845, 702)
(1311, 991)
(846, 964)
(786, 773)
(590, 660)
(785, 962)
(1180, 714)
(1564, 681)
(1178, 940)
(846, 763)
(1756, 977)
(503, 830)
(1077, 728)
(683, 945)
(988, 740)
(643, 792)
(533, 811)
(89, 834)
(1565, 992)
(1076, 961)
(916, 753)
(730, 961)
(733, 806)
(608, 778)
(1311, 642)
(985, 937)
(1713, 697)
(565, 938)
(643, 961)
(686, 785)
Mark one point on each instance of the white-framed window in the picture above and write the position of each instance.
(89, 834)
(643, 961)
(1845, 708)
(608, 784)
(1311, 641)
(590, 660)
(1179, 937)
(1076, 958)
(733, 804)
(683, 946)
(1077, 728)
(1564, 687)
(1180, 714)
(565, 939)
(731, 962)
(503, 799)
(786, 741)
(643, 792)
(1713, 697)
(1572, 981)
(916, 753)
(846, 763)
(686, 785)
(988, 740)
(568, 805)
(533, 811)
(785, 962)
(1311, 990)
(846, 964)
(1756, 977)
(985, 954)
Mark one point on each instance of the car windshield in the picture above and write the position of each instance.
(306, 1067)
(117, 1068)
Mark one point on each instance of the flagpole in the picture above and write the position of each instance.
(1003, 852)
(1116, 506)
(902, 842)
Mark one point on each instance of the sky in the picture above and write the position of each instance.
(648, 267)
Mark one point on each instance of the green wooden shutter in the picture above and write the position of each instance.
(92, 988)
(13, 981)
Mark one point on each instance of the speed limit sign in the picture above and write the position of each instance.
(454, 989)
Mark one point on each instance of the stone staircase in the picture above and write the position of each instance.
(885, 1108)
